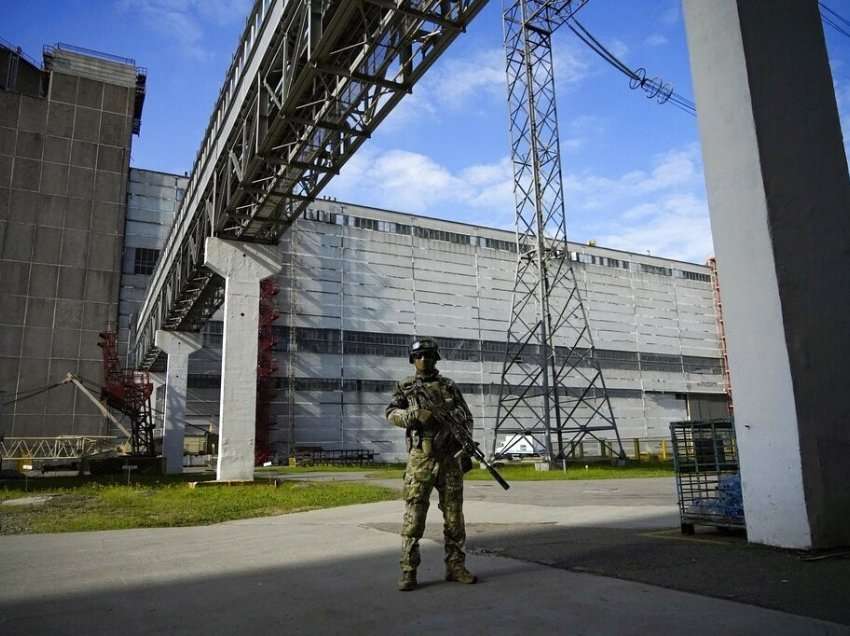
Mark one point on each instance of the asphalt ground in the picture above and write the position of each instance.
(595, 557)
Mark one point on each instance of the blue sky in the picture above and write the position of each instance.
(633, 171)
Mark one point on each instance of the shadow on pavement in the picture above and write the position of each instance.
(711, 563)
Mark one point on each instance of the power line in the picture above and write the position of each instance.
(831, 22)
(654, 88)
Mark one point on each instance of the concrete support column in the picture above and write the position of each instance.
(243, 266)
(178, 345)
(779, 195)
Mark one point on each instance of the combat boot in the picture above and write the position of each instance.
(459, 574)
(407, 581)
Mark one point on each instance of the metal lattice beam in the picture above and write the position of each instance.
(64, 447)
(552, 388)
(310, 81)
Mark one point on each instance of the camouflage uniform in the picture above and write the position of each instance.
(431, 463)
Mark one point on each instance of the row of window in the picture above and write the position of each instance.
(322, 216)
(388, 345)
(197, 381)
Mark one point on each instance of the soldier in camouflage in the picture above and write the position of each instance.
(432, 462)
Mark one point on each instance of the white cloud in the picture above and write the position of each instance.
(656, 39)
(475, 82)
(661, 208)
(182, 21)
(619, 48)
(413, 182)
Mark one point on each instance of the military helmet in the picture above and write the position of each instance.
(424, 345)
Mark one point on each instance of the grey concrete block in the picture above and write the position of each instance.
(36, 343)
(79, 214)
(42, 282)
(58, 423)
(104, 252)
(57, 149)
(29, 145)
(89, 93)
(108, 186)
(9, 373)
(88, 424)
(51, 210)
(24, 206)
(89, 340)
(81, 182)
(5, 171)
(18, 242)
(10, 341)
(28, 425)
(116, 99)
(12, 310)
(7, 141)
(26, 174)
(40, 310)
(13, 277)
(69, 313)
(107, 218)
(61, 401)
(111, 158)
(63, 88)
(9, 104)
(33, 114)
(97, 315)
(84, 154)
(71, 283)
(5, 207)
(60, 120)
(74, 243)
(66, 343)
(54, 178)
(86, 124)
(101, 287)
(114, 130)
(47, 246)
(33, 373)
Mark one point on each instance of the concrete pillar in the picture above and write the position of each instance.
(243, 266)
(178, 345)
(779, 196)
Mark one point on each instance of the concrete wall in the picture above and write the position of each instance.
(152, 201)
(359, 283)
(63, 175)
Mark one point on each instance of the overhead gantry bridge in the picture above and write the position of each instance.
(309, 83)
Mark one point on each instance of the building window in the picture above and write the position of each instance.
(145, 261)
(705, 278)
(655, 269)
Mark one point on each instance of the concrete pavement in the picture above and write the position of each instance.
(334, 571)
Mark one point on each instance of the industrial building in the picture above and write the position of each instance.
(357, 284)
(81, 233)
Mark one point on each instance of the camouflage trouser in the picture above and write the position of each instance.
(422, 475)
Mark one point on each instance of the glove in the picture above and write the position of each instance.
(423, 416)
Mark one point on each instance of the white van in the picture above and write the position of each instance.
(516, 446)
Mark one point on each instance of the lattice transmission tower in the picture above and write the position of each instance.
(552, 388)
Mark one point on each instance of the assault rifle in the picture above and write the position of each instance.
(456, 423)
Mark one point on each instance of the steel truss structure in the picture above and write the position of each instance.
(63, 447)
(309, 82)
(552, 389)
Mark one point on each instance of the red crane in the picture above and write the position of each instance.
(128, 391)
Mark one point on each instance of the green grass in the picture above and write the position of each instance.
(526, 472)
(106, 504)
(297, 470)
